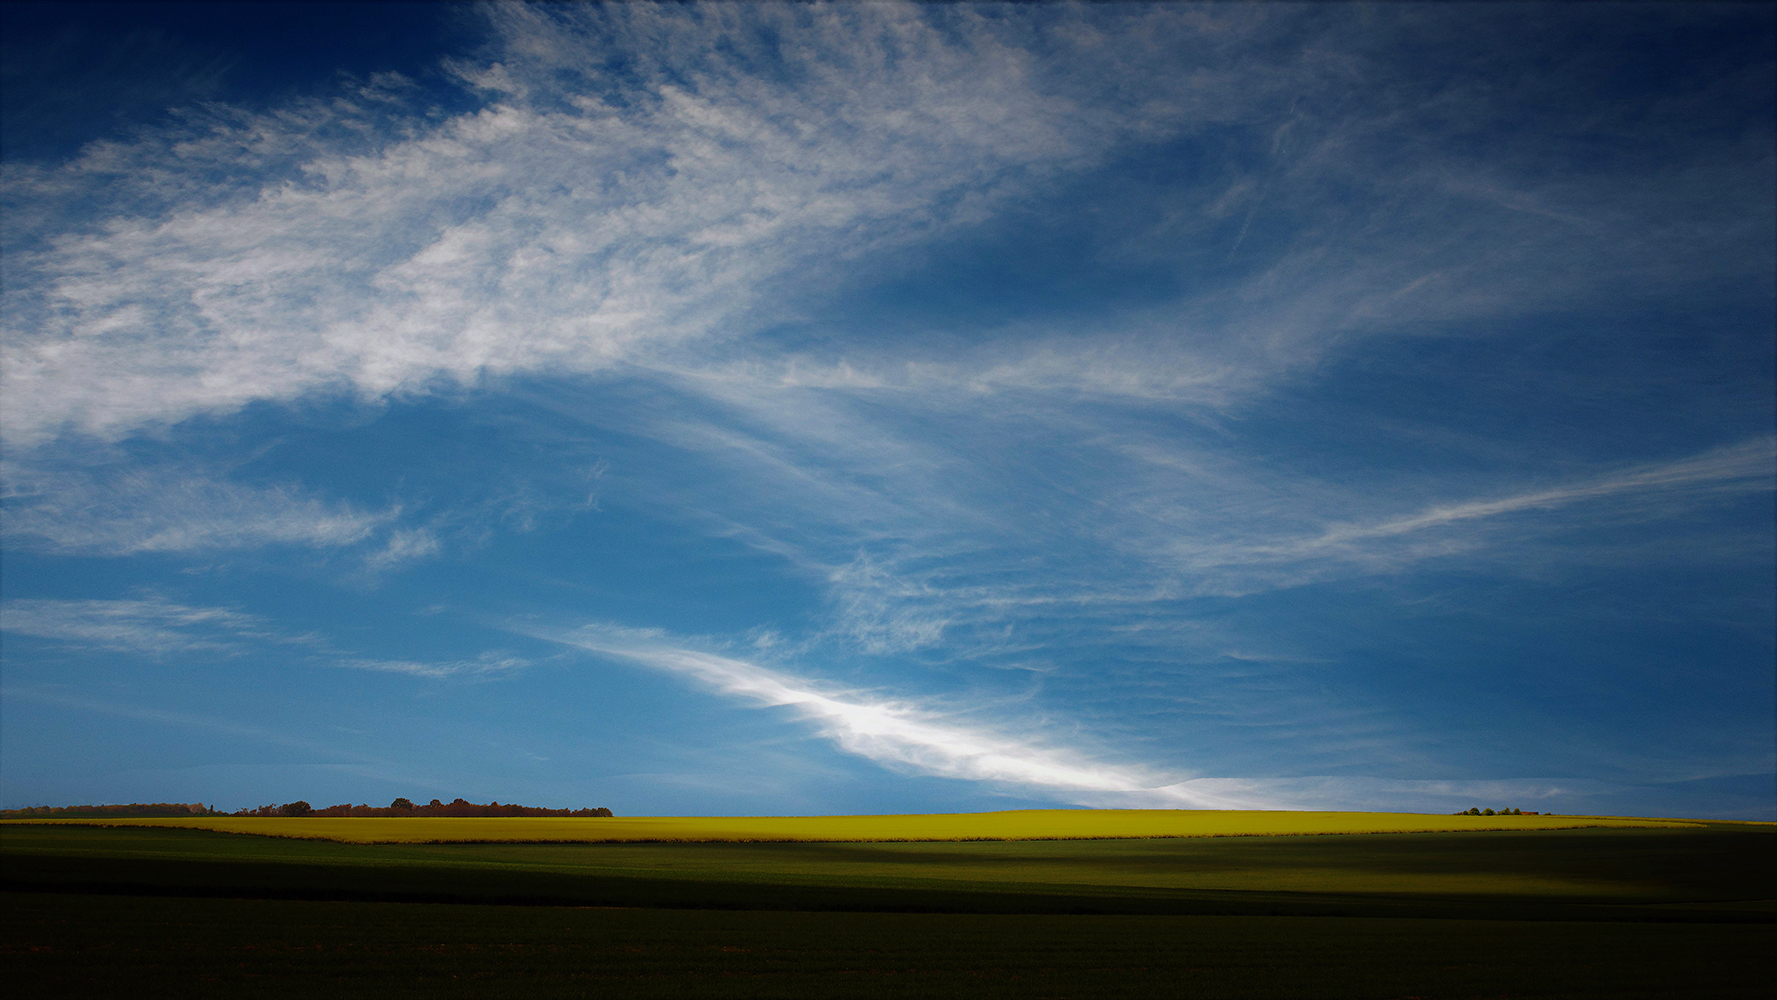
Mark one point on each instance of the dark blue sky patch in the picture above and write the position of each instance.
(81, 71)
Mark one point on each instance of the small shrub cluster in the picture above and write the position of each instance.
(1478, 811)
(404, 807)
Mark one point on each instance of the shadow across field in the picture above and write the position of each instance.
(1595, 913)
(1722, 872)
(94, 945)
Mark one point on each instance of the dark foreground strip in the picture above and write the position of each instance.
(1710, 876)
(60, 945)
(233, 880)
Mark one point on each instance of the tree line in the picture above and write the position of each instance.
(143, 809)
(403, 807)
(399, 807)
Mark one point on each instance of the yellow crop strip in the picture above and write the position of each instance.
(1031, 824)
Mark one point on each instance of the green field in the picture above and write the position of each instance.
(1675, 910)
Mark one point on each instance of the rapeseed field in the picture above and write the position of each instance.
(1027, 824)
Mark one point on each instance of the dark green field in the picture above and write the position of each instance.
(1594, 913)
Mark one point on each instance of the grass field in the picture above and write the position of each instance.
(1674, 910)
(1029, 824)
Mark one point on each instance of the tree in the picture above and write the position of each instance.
(401, 804)
(297, 808)
(1487, 812)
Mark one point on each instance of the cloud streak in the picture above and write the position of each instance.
(107, 510)
(1740, 469)
(184, 719)
(937, 523)
(923, 740)
(150, 625)
(485, 666)
(904, 735)
(1747, 467)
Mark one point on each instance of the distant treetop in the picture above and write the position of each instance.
(143, 809)
(405, 807)
(399, 807)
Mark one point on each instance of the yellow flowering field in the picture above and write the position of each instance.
(1029, 824)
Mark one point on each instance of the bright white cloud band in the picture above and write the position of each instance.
(907, 736)
(923, 740)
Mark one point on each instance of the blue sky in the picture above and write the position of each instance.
(752, 408)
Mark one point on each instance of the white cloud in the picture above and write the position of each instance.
(969, 525)
(1346, 793)
(918, 738)
(744, 158)
(485, 665)
(151, 625)
(123, 511)
(968, 489)
(561, 226)
(1746, 467)
(906, 735)
(159, 627)
(649, 218)
(405, 545)
(1646, 491)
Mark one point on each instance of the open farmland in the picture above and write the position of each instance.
(1029, 824)
(1707, 867)
(1663, 909)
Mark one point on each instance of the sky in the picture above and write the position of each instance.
(774, 409)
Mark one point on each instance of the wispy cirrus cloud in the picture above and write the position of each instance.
(1033, 338)
(343, 759)
(587, 216)
(112, 510)
(903, 734)
(567, 224)
(152, 625)
(1642, 492)
(405, 545)
(923, 739)
(159, 627)
(189, 720)
(485, 666)
(1746, 467)
(354, 242)
(938, 522)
